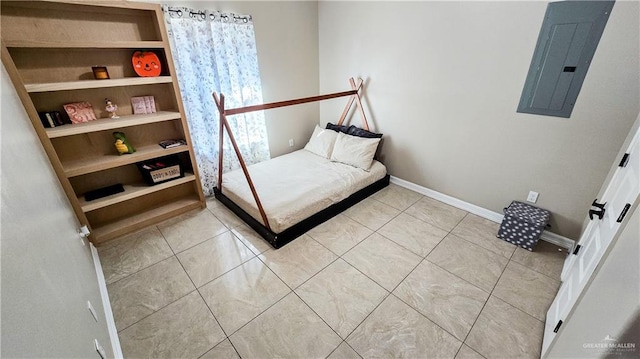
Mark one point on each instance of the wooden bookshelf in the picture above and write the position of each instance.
(48, 49)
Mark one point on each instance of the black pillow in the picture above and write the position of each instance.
(353, 131)
(337, 128)
(357, 131)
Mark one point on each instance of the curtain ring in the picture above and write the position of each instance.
(174, 13)
(212, 17)
(195, 15)
(237, 18)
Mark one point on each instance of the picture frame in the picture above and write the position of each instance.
(100, 72)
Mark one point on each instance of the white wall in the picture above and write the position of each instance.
(610, 305)
(443, 81)
(287, 44)
(47, 274)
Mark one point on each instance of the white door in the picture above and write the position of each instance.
(621, 175)
(619, 196)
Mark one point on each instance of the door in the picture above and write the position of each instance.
(618, 197)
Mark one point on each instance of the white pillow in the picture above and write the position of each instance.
(355, 151)
(321, 142)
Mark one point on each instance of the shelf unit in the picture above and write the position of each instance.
(48, 49)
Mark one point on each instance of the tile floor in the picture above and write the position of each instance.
(397, 275)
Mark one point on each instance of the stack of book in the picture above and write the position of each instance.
(143, 105)
(51, 119)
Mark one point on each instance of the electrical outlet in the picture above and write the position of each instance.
(100, 349)
(291, 142)
(92, 310)
(533, 197)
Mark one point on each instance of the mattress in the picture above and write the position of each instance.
(296, 186)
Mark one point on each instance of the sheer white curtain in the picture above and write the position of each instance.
(216, 51)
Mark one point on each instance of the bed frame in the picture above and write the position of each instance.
(277, 240)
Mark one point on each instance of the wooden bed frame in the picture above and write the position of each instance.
(277, 240)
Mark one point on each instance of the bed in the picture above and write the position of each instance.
(284, 197)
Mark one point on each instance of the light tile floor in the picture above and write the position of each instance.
(397, 275)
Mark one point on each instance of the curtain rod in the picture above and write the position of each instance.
(212, 16)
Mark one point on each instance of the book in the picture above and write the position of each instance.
(57, 118)
(147, 104)
(103, 192)
(80, 112)
(152, 101)
(50, 119)
(172, 143)
(139, 106)
(46, 119)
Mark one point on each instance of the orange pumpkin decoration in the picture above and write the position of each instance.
(146, 64)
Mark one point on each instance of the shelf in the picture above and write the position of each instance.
(89, 44)
(48, 49)
(130, 192)
(93, 164)
(105, 232)
(94, 84)
(109, 124)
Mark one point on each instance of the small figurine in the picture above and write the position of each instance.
(111, 108)
(122, 145)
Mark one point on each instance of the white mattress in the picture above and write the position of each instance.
(297, 185)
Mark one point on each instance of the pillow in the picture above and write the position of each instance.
(357, 131)
(354, 151)
(353, 131)
(321, 142)
(337, 128)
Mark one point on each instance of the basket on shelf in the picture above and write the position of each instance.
(160, 170)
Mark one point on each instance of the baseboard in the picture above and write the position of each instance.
(111, 324)
(477, 210)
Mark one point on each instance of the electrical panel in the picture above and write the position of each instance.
(567, 42)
